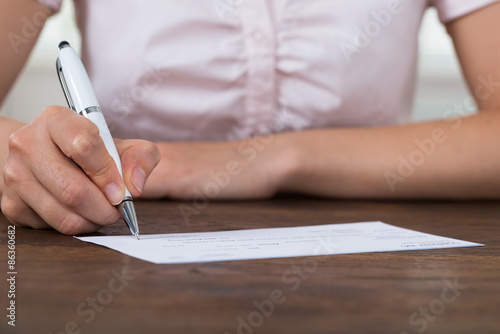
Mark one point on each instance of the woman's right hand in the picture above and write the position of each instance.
(59, 174)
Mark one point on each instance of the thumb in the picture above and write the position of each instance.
(139, 158)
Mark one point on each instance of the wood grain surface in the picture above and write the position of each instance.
(64, 285)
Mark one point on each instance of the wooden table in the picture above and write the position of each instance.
(64, 285)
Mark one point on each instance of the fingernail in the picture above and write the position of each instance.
(139, 179)
(114, 193)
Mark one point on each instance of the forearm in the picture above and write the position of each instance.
(7, 127)
(20, 24)
(457, 158)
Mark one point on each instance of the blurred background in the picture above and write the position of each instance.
(440, 84)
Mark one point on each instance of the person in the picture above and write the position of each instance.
(247, 99)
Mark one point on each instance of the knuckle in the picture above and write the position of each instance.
(11, 209)
(16, 212)
(155, 151)
(11, 175)
(84, 143)
(51, 112)
(73, 194)
(152, 150)
(111, 218)
(105, 173)
(18, 141)
(70, 225)
(48, 111)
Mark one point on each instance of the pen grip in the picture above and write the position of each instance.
(98, 119)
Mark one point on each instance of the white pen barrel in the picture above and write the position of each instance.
(81, 98)
(77, 80)
(81, 93)
(98, 119)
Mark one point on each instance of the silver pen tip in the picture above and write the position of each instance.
(127, 211)
(137, 236)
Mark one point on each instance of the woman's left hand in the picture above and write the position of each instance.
(252, 168)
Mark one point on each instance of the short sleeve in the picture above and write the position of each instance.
(55, 5)
(452, 9)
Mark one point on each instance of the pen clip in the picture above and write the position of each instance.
(64, 86)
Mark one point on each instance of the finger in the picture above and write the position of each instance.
(58, 174)
(74, 190)
(139, 158)
(81, 142)
(19, 214)
(13, 207)
(39, 209)
(62, 219)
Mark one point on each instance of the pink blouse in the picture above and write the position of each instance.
(231, 69)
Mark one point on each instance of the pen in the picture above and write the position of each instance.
(81, 98)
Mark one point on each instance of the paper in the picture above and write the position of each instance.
(274, 243)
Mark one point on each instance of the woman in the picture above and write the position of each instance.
(245, 99)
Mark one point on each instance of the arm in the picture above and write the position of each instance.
(16, 46)
(457, 158)
(21, 24)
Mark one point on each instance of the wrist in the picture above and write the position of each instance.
(289, 162)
